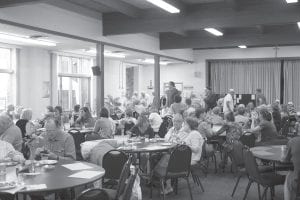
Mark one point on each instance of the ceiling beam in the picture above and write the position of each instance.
(274, 38)
(217, 15)
(79, 9)
(11, 3)
(121, 6)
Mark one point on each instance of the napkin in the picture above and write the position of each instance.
(86, 174)
(36, 187)
(77, 166)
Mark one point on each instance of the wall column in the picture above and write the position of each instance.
(100, 79)
(157, 80)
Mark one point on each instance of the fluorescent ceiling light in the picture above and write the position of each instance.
(298, 23)
(243, 46)
(291, 1)
(214, 31)
(107, 53)
(26, 39)
(151, 61)
(164, 5)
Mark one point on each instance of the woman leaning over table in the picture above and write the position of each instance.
(85, 118)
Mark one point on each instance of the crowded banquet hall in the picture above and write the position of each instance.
(149, 99)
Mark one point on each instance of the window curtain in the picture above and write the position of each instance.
(245, 76)
(291, 82)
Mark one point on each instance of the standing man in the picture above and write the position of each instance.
(210, 99)
(260, 98)
(228, 102)
(171, 93)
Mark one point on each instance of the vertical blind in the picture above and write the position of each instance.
(291, 82)
(245, 76)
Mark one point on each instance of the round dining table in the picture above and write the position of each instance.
(61, 177)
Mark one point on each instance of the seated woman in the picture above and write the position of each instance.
(214, 117)
(204, 127)
(104, 127)
(240, 118)
(155, 123)
(142, 127)
(193, 139)
(75, 114)
(129, 121)
(233, 134)
(266, 130)
(85, 118)
(292, 155)
(25, 124)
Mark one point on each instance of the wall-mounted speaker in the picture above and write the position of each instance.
(96, 70)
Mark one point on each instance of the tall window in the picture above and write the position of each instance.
(74, 81)
(6, 80)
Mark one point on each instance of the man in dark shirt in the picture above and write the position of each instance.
(171, 93)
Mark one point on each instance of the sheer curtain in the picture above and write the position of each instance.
(291, 82)
(245, 76)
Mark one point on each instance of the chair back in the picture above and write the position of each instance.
(113, 162)
(129, 186)
(123, 177)
(298, 187)
(93, 194)
(237, 154)
(251, 166)
(78, 139)
(180, 162)
(248, 139)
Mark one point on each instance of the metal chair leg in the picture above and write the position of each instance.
(258, 190)
(264, 196)
(236, 184)
(189, 186)
(200, 183)
(163, 187)
(247, 189)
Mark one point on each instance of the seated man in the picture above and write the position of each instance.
(55, 143)
(292, 154)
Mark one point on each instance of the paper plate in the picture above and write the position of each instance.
(7, 185)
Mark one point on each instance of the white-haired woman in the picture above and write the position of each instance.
(25, 124)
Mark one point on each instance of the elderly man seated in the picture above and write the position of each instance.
(55, 143)
(175, 134)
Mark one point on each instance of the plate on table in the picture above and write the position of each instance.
(7, 185)
(9, 163)
(31, 173)
(166, 144)
(48, 162)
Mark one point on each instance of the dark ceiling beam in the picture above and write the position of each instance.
(121, 6)
(218, 15)
(79, 9)
(274, 38)
(11, 3)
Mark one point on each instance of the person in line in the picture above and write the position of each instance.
(142, 127)
(55, 143)
(292, 155)
(240, 118)
(104, 127)
(10, 133)
(171, 93)
(177, 106)
(175, 134)
(233, 134)
(210, 99)
(228, 102)
(85, 118)
(276, 116)
(260, 98)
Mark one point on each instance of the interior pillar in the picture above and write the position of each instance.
(157, 80)
(100, 79)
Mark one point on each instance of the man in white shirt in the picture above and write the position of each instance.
(228, 102)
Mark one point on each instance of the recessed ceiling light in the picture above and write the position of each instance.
(298, 23)
(151, 61)
(26, 39)
(291, 1)
(214, 31)
(242, 46)
(107, 53)
(164, 5)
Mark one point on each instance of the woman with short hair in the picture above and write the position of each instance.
(104, 126)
